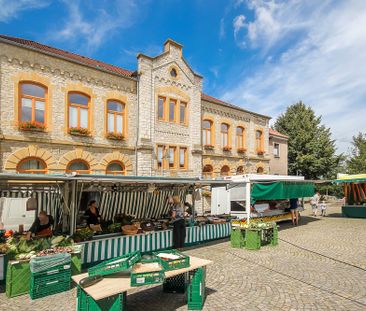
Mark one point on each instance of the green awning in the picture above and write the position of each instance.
(280, 190)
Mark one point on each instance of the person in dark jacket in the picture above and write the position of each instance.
(179, 223)
(294, 211)
(92, 214)
(42, 226)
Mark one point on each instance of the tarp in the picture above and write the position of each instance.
(281, 190)
(351, 178)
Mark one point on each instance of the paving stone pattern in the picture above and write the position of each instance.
(327, 272)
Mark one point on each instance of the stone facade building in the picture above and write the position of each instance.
(62, 112)
(278, 149)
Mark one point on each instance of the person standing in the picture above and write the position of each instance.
(93, 216)
(314, 202)
(179, 223)
(294, 211)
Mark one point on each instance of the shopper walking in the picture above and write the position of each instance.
(294, 211)
(314, 202)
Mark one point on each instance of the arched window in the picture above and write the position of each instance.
(115, 117)
(78, 166)
(260, 170)
(207, 133)
(32, 165)
(240, 140)
(115, 168)
(240, 170)
(259, 141)
(225, 171)
(78, 110)
(207, 171)
(33, 99)
(225, 141)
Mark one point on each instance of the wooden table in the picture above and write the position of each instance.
(116, 284)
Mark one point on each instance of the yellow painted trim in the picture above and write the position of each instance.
(79, 88)
(33, 77)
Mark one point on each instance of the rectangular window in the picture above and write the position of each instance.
(40, 108)
(172, 111)
(110, 122)
(182, 158)
(172, 157)
(26, 109)
(160, 156)
(84, 118)
(276, 150)
(73, 117)
(161, 108)
(182, 113)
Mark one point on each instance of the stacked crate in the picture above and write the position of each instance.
(17, 278)
(50, 275)
(196, 291)
(87, 303)
(252, 239)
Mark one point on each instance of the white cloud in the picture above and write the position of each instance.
(238, 24)
(222, 28)
(89, 25)
(325, 68)
(10, 9)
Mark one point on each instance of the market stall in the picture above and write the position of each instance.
(354, 187)
(256, 197)
(136, 201)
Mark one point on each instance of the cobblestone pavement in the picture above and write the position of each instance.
(319, 265)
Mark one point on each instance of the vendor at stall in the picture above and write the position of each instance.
(179, 223)
(42, 226)
(92, 214)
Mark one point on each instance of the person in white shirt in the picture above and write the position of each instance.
(314, 202)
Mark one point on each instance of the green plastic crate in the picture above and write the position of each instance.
(115, 265)
(175, 284)
(17, 278)
(237, 238)
(173, 264)
(76, 263)
(252, 239)
(54, 270)
(196, 291)
(87, 303)
(45, 285)
(147, 278)
(274, 240)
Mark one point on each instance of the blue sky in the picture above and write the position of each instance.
(261, 55)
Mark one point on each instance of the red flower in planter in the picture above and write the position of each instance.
(242, 150)
(31, 126)
(226, 148)
(260, 152)
(79, 131)
(115, 136)
(209, 147)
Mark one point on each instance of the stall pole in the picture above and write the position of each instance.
(247, 201)
(66, 211)
(193, 203)
(73, 208)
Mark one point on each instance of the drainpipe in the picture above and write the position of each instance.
(138, 123)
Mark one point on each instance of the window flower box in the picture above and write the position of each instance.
(32, 126)
(115, 136)
(209, 147)
(242, 150)
(79, 131)
(260, 152)
(226, 148)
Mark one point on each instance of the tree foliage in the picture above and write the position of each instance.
(356, 163)
(311, 150)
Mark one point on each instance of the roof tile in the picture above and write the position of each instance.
(70, 56)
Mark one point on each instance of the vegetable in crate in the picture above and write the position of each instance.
(83, 235)
(4, 248)
(115, 228)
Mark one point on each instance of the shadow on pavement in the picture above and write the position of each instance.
(304, 220)
(155, 299)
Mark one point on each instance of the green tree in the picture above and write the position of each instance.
(356, 163)
(311, 150)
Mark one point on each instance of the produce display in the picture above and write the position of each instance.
(83, 234)
(258, 225)
(19, 248)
